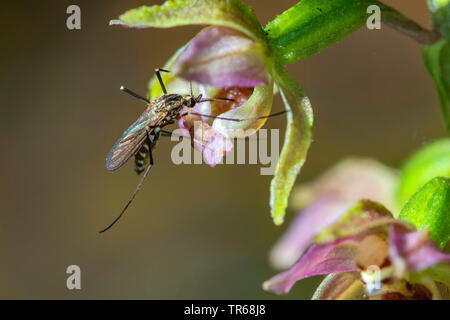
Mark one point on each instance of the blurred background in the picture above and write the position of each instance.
(193, 232)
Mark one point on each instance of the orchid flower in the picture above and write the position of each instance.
(360, 244)
(368, 254)
(230, 58)
(324, 200)
(235, 57)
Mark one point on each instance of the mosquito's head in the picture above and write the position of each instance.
(198, 99)
(190, 101)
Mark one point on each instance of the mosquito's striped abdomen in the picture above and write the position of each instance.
(140, 159)
(142, 156)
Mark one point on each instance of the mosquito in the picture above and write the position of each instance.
(140, 138)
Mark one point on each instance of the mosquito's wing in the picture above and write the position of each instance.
(132, 139)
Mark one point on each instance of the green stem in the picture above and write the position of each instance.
(402, 24)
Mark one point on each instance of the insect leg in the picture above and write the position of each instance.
(134, 94)
(132, 197)
(233, 119)
(166, 133)
(158, 75)
(151, 157)
(138, 186)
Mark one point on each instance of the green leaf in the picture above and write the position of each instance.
(437, 60)
(313, 25)
(429, 208)
(431, 161)
(227, 13)
(296, 142)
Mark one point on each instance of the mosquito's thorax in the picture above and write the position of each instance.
(172, 105)
(169, 102)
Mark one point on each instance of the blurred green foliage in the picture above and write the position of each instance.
(431, 161)
(437, 56)
(429, 208)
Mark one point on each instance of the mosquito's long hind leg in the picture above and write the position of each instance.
(151, 157)
(158, 75)
(166, 133)
(135, 191)
(132, 197)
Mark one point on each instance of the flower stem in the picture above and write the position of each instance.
(402, 24)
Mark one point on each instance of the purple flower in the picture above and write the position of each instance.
(327, 198)
(223, 58)
(221, 62)
(231, 57)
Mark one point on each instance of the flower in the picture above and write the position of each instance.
(327, 198)
(368, 254)
(231, 58)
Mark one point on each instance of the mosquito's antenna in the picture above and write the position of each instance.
(134, 94)
(130, 201)
(190, 84)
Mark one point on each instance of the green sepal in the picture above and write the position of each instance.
(364, 215)
(228, 13)
(439, 272)
(297, 140)
(341, 286)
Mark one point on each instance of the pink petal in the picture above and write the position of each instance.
(304, 228)
(413, 251)
(211, 143)
(352, 179)
(222, 57)
(320, 259)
